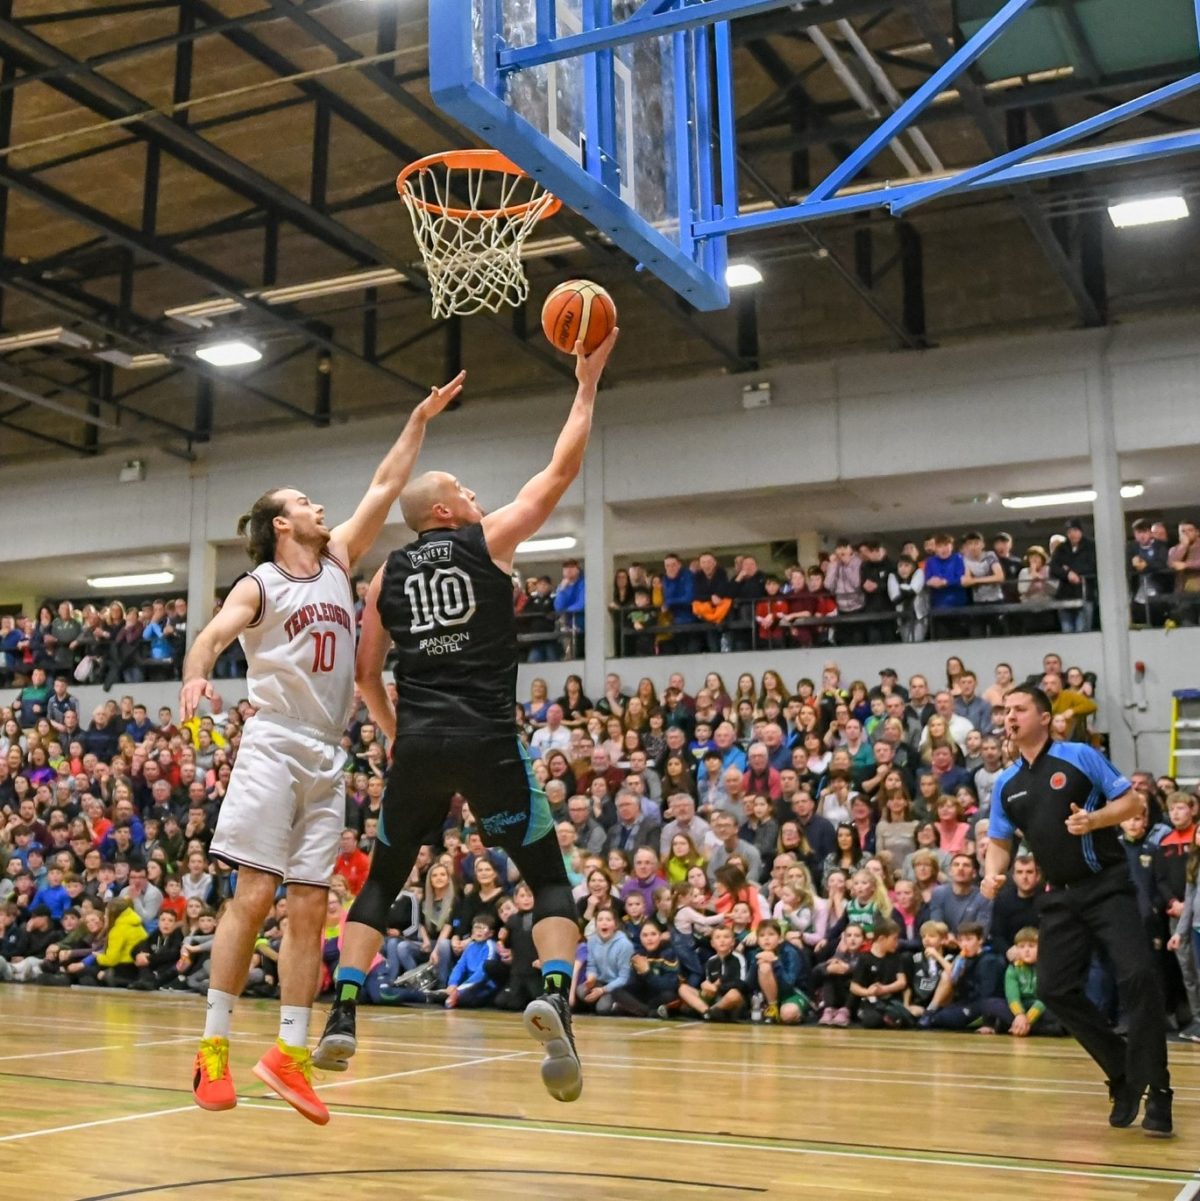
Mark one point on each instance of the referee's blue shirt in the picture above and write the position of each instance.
(1036, 798)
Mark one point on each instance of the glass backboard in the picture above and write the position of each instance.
(623, 135)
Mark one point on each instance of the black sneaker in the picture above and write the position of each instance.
(339, 1041)
(1157, 1120)
(1126, 1102)
(548, 1020)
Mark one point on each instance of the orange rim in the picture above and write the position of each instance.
(472, 160)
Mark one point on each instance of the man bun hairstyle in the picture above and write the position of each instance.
(257, 528)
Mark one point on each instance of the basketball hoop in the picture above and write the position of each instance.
(473, 254)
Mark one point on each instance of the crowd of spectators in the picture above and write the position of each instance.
(771, 852)
(110, 644)
(866, 592)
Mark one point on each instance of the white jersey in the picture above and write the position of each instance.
(300, 650)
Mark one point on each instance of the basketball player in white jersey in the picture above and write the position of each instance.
(285, 807)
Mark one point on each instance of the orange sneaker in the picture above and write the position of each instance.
(288, 1070)
(212, 1084)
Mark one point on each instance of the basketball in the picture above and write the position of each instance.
(578, 311)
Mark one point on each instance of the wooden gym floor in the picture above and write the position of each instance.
(95, 1103)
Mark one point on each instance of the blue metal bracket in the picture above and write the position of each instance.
(920, 194)
(1123, 154)
(916, 104)
(620, 33)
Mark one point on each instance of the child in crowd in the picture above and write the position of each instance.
(192, 968)
(880, 982)
(662, 898)
(722, 993)
(470, 985)
(514, 967)
(862, 909)
(641, 618)
(635, 917)
(1028, 1013)
(969, 996)
(155, 957)
(741, 922)
(692, 920)
(654, 985)
(779, 974)
(792, 915)
(609, 964)
(927, 966)
(834, 977)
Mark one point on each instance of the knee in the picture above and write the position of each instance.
(789, 1014)
(255, 894)
(306, 908)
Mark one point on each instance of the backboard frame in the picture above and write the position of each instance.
(588, 181)
(709, 209)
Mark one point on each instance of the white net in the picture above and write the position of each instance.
(471, 223)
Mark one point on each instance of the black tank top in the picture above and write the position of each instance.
(449, 610)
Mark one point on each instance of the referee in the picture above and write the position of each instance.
(1067, 801)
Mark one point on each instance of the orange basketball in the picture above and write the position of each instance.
(578, 311)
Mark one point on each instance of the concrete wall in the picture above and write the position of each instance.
(983, 406)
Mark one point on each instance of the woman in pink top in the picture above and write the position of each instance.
(952, 830)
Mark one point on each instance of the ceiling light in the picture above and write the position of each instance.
(229, 354)
(545, 545)
(132, 362)
(201, 314)
(146, 578)
(1075, 496)
(55, 336)
(1150, 210)
(742, 275)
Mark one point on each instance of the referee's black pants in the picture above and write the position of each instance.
(1103, 912)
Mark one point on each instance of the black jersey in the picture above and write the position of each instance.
(449, 610)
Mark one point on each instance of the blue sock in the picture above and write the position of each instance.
(347, 982)
(556, 977)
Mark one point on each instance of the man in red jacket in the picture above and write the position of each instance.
(352, 864)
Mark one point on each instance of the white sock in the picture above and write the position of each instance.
(293, 1024)
(219, 1019)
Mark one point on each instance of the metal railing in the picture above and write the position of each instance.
(742, 632)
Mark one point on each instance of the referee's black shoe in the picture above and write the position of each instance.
(339, 1042)
(1126, 1102)
(1157, 1121)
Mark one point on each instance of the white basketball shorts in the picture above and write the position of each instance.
(286, 805)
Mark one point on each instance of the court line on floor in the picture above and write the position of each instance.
(743, 1145)
(439, 1171)
(1189, 1192)
(745, 1038)
(437, 1067)
(70, 1051)
(865, 1073)
(84, 1050)
(251, 1101)
(129, 1117)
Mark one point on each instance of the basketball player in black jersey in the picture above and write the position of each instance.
(445, 601)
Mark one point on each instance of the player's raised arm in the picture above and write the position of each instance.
(355, 536)
(506, 528)
(240, 610)
(373, 644)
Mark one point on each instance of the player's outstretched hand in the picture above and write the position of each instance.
(192, 693)
(1080, 821)
(991, 886)
(590, 367)
(439, 398)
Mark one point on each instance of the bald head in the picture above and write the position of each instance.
(418, 499)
